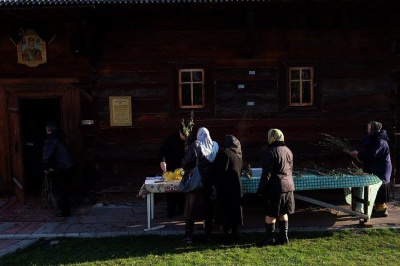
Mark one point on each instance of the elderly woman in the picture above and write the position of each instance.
(377, 161)
(277, 186)
(198, 205)
(228, 171)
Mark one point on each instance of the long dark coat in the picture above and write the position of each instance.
(228, 169)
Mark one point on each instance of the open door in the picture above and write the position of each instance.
(13, 92)
(17, 174)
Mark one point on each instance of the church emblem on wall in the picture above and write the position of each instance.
(31, 49)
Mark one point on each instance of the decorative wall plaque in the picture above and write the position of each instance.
(120, 111)
(31, 49)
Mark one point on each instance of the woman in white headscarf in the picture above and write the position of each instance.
(198, 205)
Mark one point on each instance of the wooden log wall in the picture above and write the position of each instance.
(140, 58)
(136, 51)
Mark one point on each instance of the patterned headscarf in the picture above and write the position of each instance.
(275, 134)
(375, 126)
(209, 148)
(230, 142)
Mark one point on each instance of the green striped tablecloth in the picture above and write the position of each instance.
(310, 181)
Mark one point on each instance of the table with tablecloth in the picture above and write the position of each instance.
(148, 189)
(360, 190)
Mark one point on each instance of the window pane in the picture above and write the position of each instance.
(186, 94)
(185, 76)
(295, 92)
(306, 74)
(306, 91)
(295, 74)
(197, 76)
(197, 94)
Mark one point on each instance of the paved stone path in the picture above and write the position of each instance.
(22, 225)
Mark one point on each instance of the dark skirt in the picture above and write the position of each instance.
(280, 204)
(194, 203)
(383, 194)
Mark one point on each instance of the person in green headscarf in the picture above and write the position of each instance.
(377, 161)
(277, 186)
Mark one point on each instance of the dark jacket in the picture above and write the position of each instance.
(56, 154)
(376, 156)
(277, 170)
(228, 172)
(196, 203)
(172, 151)
(193, 155)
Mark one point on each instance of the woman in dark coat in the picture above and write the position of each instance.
(227, 180)
(198, 205)
(377, 161)
(277, 186)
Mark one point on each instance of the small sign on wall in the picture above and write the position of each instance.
(120, 111)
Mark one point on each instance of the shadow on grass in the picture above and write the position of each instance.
(97, 250)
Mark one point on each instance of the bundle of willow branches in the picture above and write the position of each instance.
(187, 129)
(47, 192)
(331, 143)
(351, 170)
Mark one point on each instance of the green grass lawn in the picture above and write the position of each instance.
(358, 247)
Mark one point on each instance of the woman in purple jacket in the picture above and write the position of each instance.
(376, 159)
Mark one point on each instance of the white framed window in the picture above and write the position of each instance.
(191, 88)
(301, 86)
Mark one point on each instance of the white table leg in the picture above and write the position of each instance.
(152, 205)
(148, 199)
(150, 212)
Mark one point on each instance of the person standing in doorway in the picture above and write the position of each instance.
(58, 159)
(172, 152)
(377, 161)
(277, 186)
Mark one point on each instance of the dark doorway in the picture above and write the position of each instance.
(35, 114)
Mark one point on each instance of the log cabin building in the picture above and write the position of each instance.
(119, 76)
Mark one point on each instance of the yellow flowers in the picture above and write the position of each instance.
(178, 173)
(168, 175)
(173, 176)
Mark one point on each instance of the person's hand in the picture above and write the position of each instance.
(163, 166)
(354, 153)
(46, 172)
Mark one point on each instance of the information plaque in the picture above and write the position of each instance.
(120, 111)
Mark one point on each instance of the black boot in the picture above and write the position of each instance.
(283, 231)
(208, 225)
(189, 227)
(270, 229)
(235, 233)
(227, 234)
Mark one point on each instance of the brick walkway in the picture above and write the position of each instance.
(22, 225)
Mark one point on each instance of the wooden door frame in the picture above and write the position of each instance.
(64, 89)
